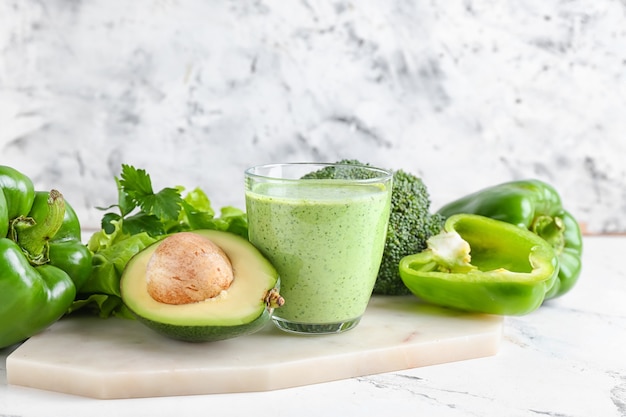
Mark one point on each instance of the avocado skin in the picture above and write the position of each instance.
(205, 333)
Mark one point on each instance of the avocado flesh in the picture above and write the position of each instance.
(240, 310)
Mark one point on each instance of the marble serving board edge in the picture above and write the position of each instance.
(118, 358)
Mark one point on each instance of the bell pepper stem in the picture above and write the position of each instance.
(552, 230)
(32, 236)
(451, 252)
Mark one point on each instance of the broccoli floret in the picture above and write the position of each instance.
(334, 172)
(410, 224)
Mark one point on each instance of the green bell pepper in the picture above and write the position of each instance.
(482, 265)
(536, 206)
(42, 258)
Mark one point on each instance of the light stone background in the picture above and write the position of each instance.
(464, 94)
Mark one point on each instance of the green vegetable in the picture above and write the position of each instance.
(42, 259)
(536, 206)
(410, 225)
(482, 265)
(143, 217)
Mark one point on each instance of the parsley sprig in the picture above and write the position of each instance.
(140, 208)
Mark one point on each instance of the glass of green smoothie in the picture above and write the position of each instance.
(325, 237)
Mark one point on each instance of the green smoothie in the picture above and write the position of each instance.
(326, 241)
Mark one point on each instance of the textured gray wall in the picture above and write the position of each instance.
(464, 94)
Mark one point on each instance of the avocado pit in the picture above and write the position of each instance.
(187, 268)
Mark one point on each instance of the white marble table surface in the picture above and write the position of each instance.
(566, 360)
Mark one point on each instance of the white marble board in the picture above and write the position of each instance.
(118, 358)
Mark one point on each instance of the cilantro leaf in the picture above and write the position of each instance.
(125, 203)
(142, 222)
(107, 222)
(137, 185)
(165, 204)
(135, 182)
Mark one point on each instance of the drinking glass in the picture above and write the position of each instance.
(325, 236)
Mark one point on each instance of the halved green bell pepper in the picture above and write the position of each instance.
(42, 258)
(482, 265)
(536, 206)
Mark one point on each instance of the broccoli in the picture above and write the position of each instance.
(410, 224)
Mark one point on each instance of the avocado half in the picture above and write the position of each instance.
(242, 309)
